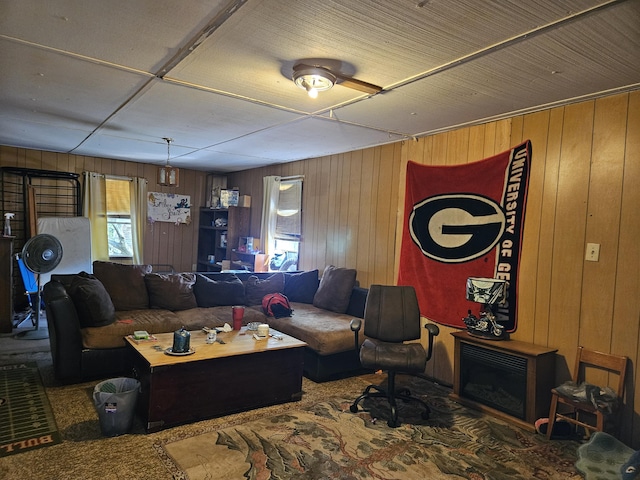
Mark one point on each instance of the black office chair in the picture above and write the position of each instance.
(391, 317)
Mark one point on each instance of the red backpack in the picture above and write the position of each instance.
(276, 305)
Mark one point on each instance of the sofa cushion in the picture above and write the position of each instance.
(324, 332)
(112, 336)
(214, 293)
(335, 288)
(255, 289)
(301, 287)
(172, 291)
(125, 284)
(92, 301)
(196, 318)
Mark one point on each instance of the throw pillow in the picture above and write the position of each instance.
(92, 301)
(125, 284)
(335, 288)
(301, 287)
(255, 289)
(172, 291)
(215, 293)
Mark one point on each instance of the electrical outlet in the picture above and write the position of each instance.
(194, 267)
(593, 252)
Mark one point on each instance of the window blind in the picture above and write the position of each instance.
(289, 218)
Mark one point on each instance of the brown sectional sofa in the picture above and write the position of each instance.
(89, 315)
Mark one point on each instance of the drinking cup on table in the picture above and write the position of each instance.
(263, 330)
(237, 313)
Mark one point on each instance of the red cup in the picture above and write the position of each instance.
(238, 313)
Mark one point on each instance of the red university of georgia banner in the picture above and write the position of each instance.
(464, 221)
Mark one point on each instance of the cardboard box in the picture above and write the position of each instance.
(244, 201)
(261, 263)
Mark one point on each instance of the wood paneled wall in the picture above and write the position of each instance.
(349, 204)
(583, 189)
(165, 243)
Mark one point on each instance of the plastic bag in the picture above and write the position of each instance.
(604, 399)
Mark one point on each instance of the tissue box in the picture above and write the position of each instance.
(244, 201)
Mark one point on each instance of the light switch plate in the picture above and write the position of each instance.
(593, 252)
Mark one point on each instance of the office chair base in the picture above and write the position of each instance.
(401, 394)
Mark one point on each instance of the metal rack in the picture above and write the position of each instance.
(31, 193)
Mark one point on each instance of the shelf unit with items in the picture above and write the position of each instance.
(218, 234)
(244, 260)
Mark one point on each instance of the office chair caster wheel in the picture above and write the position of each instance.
(393, 424)
(353, 408)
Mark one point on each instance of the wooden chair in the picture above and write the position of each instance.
(587, 360)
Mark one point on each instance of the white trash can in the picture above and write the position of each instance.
(115, 401)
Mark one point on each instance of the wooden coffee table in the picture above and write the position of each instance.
(217, 379)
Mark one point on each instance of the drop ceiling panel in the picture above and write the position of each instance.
(75, 70)
(383, 43)
(295, 140)
(51, 89)
(28, 134)
(133, 149)
(224, 162)
(571, 61)
(191, 117)
(137, 34)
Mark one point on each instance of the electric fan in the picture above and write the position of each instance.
(41, 254)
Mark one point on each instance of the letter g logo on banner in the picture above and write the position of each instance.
(456, 228)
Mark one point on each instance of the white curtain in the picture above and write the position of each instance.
(271, 193)
(94, 207)
(138, 217)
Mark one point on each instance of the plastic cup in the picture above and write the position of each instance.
(237, 313)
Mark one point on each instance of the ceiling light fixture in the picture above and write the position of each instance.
(313, 79)
(167, 175)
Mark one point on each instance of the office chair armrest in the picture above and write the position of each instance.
(356, 325)
(434, 331)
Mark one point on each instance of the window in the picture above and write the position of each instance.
(288, 232)
(119, 218)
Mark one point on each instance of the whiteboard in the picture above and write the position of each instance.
(74, 233)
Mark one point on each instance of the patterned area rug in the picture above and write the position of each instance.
(26, 419)
(326, 441)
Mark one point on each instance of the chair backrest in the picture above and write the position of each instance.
(392, 314)
(28, 278)
(606, 362)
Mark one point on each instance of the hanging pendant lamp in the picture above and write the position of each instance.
(167, 175)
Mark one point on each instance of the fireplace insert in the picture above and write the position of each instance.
(496, 379)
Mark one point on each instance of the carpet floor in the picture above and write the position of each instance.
(456, 443)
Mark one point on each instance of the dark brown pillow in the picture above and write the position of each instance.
(125, 284)
(92, 301)
(335, 289)
(172, 291)
(301, 287)
(215, 293)
(255, 289)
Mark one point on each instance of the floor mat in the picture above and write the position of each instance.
(26, 418)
